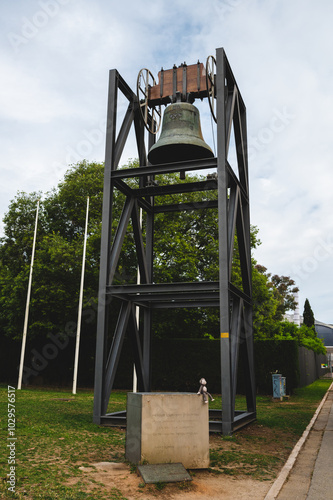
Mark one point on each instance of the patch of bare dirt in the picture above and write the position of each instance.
(238, 480)
(257, 439)
(204, 485)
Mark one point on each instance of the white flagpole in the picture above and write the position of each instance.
(137, 315)
(78, 331)
(25, 327)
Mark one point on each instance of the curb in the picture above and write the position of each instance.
(285, 471)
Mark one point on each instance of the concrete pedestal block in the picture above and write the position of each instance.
(167, 428)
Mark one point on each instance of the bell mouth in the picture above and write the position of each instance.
(177, 153)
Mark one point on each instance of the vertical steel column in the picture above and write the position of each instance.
(101, 340)
(249, 362)
(222, 184)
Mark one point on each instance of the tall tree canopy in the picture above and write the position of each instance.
(185, 249)
(308, 316)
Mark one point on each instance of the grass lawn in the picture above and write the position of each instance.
(56, 436)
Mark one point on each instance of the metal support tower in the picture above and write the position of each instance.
(235, 304)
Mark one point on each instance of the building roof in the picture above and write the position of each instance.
(325, 332)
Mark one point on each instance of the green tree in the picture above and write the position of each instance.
(272, 297)
(58, 257)
(308, 316)
(185, 249)
(305, 336)
(15, 257)
(283, 288)
(265, 306)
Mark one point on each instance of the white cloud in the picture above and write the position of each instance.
(26, 97)
(53, 95)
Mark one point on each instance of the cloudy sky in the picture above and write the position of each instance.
(55, 56)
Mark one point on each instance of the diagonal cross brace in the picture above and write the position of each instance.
(240, 146)
(137, 351)
(236, 220)
(237, 322)
(232, 217)
(123, 134)
(114, 354)
(140, 250)
(230, 107)
(119, 237)
(244, 250)
(248, 357)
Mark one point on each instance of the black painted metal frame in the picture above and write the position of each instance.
(235, 305)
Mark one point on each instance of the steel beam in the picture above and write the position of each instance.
(188, 187)
(163, 297)
(123, 134)
(230, 107)
(140, 250)
(119, 237)
(165, 168)
(153, 288)
(232, 218)
(102, 324)
(114, 355)
(183, 207)
(137, 352)
(222, 176)
(244, 253)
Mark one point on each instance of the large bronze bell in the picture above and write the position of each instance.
(181, 137)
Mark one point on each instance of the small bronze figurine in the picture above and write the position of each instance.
(203, 390)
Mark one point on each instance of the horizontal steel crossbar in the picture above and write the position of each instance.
(169, 295)
(182, 207)
(172, 303)
(158, 297)
(117, 419)
(171, 300)
(241, 419)
(170, 291)
(164, 287)
(164, 168)
(187, 187)
(177, 304)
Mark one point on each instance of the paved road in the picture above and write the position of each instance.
(311, 475)
(322, 479)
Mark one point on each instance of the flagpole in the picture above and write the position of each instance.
(137, 316)
(78, 331)
(25, 327)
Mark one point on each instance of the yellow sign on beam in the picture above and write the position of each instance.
(225, 335)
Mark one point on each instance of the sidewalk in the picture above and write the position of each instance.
(307, 474)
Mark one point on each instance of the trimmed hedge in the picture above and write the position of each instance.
(177, 364)
(276, 356)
